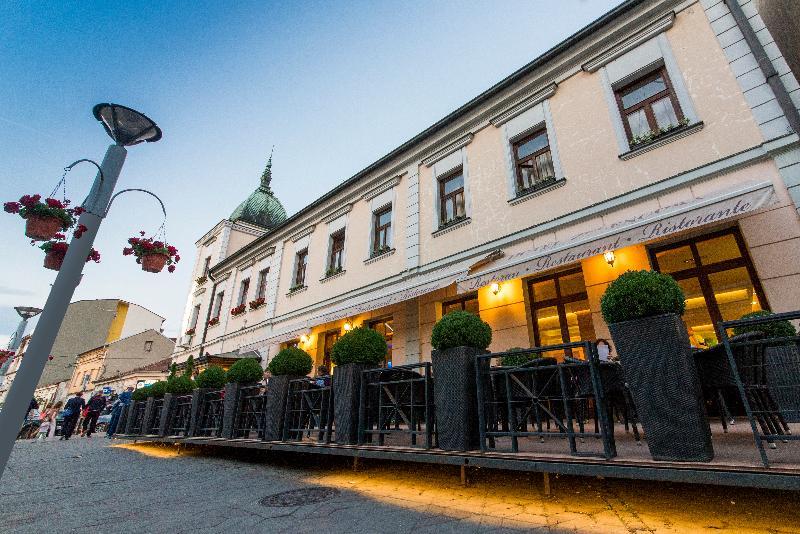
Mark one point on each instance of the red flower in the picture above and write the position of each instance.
(171, 268)
(93, 256)
(59, 236)
(158, 244)
(30, 200)
(172, 250)
(50, 357)
(53, 203)
(12, 207)
(79, 231)
(127, 251)
(141, 233)
(177, 258)
(78, 211)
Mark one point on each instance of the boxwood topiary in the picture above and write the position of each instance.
(521, 356)
(773, 329)
(638, 294)
(180, 385)
(212, 377)
(359, 345)
(291, 361)
(245, 371)
(157, 389)
(461, 329)
(140, 394)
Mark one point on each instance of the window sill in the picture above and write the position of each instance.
(238, 314)
(295, 291)
(527, 195)
(452, 226)
(331, 276)
(661, 140)
(380, 256)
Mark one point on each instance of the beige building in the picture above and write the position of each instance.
(651, 139)
(135, 378)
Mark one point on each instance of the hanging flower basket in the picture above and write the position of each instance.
(56, 249)
(151, 254)
(42, 228)
(43, 220)
(53, 260)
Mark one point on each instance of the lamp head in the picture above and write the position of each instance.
(126, 126)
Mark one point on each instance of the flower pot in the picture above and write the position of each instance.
(153, 263)
(663, 380)
(346, 396)
(53, 260)
(275, 406)
(455, 397)
(42, 228)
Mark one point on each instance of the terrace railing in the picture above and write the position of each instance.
(396, 406)
(212, 408)
(543, 398)
(138, 418)
(181, 416)
(154, 423)
(250, 414)
(309, 410)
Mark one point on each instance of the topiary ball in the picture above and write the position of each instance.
(461, 329)
(637, 294)
(157, 389)
(359, 345)
(212, 377)
(291, 361)
(180, 385)
(520, 357)
(773, 329)
(245, 371)
(140, 394)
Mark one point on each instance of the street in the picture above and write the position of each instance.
(97, 484)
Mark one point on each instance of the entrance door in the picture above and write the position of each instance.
(717, 278)
(560, 310)
(331, 337)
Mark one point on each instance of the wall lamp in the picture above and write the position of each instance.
(348, 325)
(304, 339)
(495, 288)
(609, 257)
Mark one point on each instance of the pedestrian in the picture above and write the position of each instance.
(93, 408)
(45, 425)
(71, 412)
(116, 410)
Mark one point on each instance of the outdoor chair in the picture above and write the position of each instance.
(395, 398)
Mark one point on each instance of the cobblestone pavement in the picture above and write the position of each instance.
(92, 485)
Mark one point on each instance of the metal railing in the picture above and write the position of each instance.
(138, 417)
(212, 407)
(544, 399)
(309, 410)
(153, 426)
(397, 402)
(250, 412)
(181, 416)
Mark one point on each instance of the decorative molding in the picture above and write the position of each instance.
(373, 259)
(222, 277)
(447, 150)
(200, 291)
(269, 252)
(245, 264)
(524, 105)
(652, 30)
(335, 215)
(331, 277)
(527, 196)
(662, 140)
(452, 227)
(209, 240)
(385, 186)
(302, 233)
(296, 291)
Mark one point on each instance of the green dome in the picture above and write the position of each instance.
(261, 207)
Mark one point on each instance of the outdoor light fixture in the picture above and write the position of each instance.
(609, 256)
(347, 326)
(304, 339)
(495, 288)
(126, 126)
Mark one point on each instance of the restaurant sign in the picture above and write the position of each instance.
(646, 227)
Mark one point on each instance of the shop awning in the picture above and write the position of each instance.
(700, 211)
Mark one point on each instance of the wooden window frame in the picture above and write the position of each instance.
(445, 198)
(326, 358)
(336, 257)
(461, 301)
(217, 305)
(381, 320)
(559, 302)
(300, 265)
(244, 289)
(646, 104)
(702, 272)
(206, 266)
(261, 286)
(379, 230)
(520, 163)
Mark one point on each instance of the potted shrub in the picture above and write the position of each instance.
(212, 377)
(457, 339)
(289, 364)
(180, 385)
(643, 310)
(152, 254)
(360, 348)
(782, 363)
(56, 249)
(43, 219)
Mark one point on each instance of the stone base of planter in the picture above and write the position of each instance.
(455, 398)
(660, 370)
(275, 406)
(346, 397)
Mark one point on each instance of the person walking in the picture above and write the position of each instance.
(93, 408)
(71, 412)
(48, 418)
(116, 411)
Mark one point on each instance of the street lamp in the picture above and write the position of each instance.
(126, 127)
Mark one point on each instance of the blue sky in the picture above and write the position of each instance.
(332, 85)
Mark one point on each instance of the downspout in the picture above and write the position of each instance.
(773, 79)
(208, 314)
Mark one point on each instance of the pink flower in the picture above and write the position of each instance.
(177, 258)
(127, 251)
(12, 207)
(171, 268)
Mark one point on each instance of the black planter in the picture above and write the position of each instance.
(194, 412)
(130, 417)
(148, 415)
(346, 397)
(456, 399)
(166, 414)
(230, 406)
(275, 406)
(783, 379)
(660, 371)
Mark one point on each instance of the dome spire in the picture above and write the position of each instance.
(261, 207)
(266, 176)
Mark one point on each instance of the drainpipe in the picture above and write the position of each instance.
(208, 315)
(774, 81)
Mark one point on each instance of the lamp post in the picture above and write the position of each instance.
(126, 127)
(25, 313)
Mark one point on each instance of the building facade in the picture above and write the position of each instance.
(651, 139)
(134, 378)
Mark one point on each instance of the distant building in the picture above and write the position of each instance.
(135, 378)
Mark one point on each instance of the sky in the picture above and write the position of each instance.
(333, 86)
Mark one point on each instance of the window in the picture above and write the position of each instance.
(649, 106)
(148, 346)
(466, 303)
(244, 287)
(300, 268)
(717, 278)
(261, 287)
(206, 266)
(560, 311)
(331, 338)
(336, 259)
(217, 305)
(382, 225)
(534, 163)
(385, 328)
(195, 316)
(292, 343)
(451, 198)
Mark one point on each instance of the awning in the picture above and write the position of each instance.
(651, 225)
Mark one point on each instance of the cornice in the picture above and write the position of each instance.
(524, 105)
(449, 149)
(385, 186)
(661, 24)
(302, 233)
(336, 214)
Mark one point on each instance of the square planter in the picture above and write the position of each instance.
(230, 406)
(783, 379)
(456, 399)
(129, 417)
(166, 414)
(194, 412)
(148, 415)
(347, 381)
(662, 376)
(275, 406)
